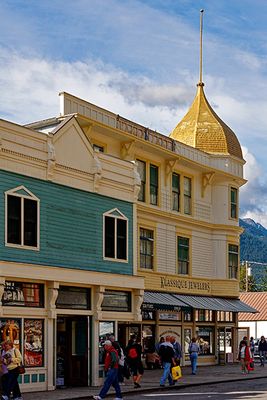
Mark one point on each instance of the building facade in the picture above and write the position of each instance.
(68, 265)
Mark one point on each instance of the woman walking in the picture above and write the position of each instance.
(12, 359)
(193, 351)
(244, 356)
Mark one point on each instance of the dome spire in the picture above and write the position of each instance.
(200, 83)
(201, 127)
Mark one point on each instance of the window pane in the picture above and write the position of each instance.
(116, 301)
(183, 255)
(146, 248)
(141, 168)
(23, 294)
(14, 219)
(73, 297)
(121, 239)
(33, 342)
(233, 261)
(233, 203)
(30, 222)
(187, 195)
(176, 192)
(110, 237)
(153, 185)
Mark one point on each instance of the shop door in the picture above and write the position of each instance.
(221, 346)
(72, 351)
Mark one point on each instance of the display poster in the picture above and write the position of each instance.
(33, 343)
(170, 331)
(10, 330)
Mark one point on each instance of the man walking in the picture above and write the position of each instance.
(166, 354)
(111, 368)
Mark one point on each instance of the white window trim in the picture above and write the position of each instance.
(116, 217)
(31, 196)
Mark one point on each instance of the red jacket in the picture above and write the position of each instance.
(111, 359)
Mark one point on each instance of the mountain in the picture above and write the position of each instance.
(253, 241)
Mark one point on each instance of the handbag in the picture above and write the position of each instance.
(176, 372)
(20, 368)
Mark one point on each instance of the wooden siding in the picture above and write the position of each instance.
(71, 227)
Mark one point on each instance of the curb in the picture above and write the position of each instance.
(167, 388)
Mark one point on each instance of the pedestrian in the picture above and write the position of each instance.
(252, 346)
(4, 370)
(167, 354)
(134, 359)
(12, 359)
(262, 350)
(245, 356)
(193, 352)
(120, 352)
(177, 350)
(161, 340)
(111, 368)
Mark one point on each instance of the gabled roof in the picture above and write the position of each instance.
(257, 300)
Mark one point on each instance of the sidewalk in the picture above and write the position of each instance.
(150, 382)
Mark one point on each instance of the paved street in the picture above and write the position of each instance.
(249, 390)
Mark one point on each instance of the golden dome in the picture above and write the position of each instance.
(203, 129)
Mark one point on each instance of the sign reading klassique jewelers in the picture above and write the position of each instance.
(189, 284)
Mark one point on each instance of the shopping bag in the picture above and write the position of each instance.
(251, 365)
(176, 372)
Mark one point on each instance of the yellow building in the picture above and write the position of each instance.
(187, 223)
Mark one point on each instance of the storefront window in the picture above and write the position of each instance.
(188, 315)
(73, 297)
(10, 329)
(226, 316)
(116, 301)
(23, 294)
(148, 336)
(205, 339)
(148, 315)
(187, 339)
(171, 316)
(204, 315)
(106, 328)
(33, 342)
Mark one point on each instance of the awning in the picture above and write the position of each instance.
(162, 301)
(216, 303)
(169, 301)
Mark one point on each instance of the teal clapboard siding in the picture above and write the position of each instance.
(71, 226)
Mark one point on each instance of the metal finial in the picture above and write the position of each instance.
(201, 48)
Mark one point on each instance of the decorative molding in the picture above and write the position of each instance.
(51, 157)
(127, 150)
(138, 301)
(52, 294)
(206, 180)
(99, 297)
(170, 166)
(97, 172)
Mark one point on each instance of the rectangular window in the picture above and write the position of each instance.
(116, 301)
(233, 261)
(234, 203)
(153, 184)
(33, 342)
(204, 315)
(187, 196)
(23, 294)
(205, 340)
(176, 192)
(146, 248)
(225, 316)
(183, 255)
(74, 297)
(141, 168)
(22, 217)
(115, 238)
(10, 329)
(98, 149)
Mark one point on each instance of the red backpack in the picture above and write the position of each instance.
(132, 353)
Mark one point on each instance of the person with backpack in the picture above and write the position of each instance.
(111, 368)
(166, 353)
(133, 356)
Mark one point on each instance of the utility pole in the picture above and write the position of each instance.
(246, 267)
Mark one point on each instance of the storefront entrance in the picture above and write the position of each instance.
(72, 351)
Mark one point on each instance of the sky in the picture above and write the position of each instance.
(140, 59)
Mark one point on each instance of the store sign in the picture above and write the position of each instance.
(170, 316)
(23, 294)
(167, 283)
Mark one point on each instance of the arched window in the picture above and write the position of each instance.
(22, 211)
(115, 236)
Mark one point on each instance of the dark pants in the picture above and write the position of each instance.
(111, 380)
(12, 384)
(4, 379)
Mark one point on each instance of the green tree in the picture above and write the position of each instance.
(247, 283)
